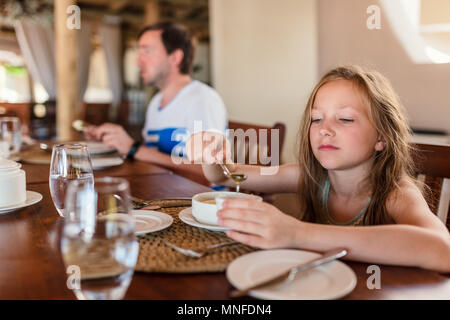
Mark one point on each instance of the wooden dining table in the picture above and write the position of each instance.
(31, 266)
(39, 173)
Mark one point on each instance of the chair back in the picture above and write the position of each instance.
(433, 168)
(96, 113)
(257, 144)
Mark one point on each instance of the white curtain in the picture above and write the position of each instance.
(38, 49)
(37, 44)
(111, 39)
(84, 57)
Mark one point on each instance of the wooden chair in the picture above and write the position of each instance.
(98, 113)
(433, 163)
(251, 141)
(95, 113)
(123, 113)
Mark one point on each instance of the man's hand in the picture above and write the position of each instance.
(111, 135)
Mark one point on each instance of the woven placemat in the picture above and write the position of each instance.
(155, 256)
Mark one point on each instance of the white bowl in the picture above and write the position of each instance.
(207, 212)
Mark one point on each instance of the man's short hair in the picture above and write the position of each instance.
(175, 36)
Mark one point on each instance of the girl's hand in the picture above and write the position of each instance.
(208, 148)
(259, 224)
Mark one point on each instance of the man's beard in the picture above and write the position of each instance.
(158, 80)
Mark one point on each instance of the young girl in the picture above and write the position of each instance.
(354, 170)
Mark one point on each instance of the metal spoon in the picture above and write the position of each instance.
(45, 147)
(236, 177)
(200, 252)
(226, 171)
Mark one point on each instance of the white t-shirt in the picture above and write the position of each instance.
(197, 107)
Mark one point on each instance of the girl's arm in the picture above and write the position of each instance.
(404, 245)
(211, 148)
(418, 239)
(279, 179)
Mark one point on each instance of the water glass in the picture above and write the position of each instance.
(69, 162)
(98, 241)
(10, 133)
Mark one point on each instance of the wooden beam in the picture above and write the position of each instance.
(118, 5)
(151, 12)
(66, 72)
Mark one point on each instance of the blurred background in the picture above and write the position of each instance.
(262, 56)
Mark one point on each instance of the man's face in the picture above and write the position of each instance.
(153, 59)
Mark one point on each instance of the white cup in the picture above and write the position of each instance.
(205, 205)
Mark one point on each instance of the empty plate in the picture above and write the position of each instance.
(96, 148)
(104, 163)
(329, 281)
(147, 221)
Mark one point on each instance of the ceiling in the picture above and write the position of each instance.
(192, 13)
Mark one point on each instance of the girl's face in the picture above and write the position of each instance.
(341, 133)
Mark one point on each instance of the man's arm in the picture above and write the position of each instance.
(115, 136)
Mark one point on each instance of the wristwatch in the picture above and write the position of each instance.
(134, 148)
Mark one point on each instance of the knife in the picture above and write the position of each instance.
(291, 273)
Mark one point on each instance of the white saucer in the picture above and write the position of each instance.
(96, 147)
(329, 281)
(32, 198)
(186, 216)
(103, 163)
(150, 221)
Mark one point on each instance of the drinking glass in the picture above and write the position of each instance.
(69, 162)
(98, 238)
(10, 132)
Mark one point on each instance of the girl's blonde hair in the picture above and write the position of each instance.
(390, 164)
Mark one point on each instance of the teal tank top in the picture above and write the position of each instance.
(326, 217)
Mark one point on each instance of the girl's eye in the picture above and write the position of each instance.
(315, 120)
(346, 120)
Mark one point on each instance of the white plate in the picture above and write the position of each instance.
(150, 221)
(32, 198)
(186, 216)
(329, 281)
(96, 147)
(103, 163)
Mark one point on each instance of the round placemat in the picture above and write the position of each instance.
(35, 155)
(156, 256)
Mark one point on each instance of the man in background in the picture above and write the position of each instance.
(166, 54)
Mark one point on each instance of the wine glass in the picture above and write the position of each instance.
(70, 161)
(98, 238)
(10, 134)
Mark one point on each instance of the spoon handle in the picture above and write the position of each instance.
(225, 169)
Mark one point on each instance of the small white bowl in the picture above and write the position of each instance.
(207, 212)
